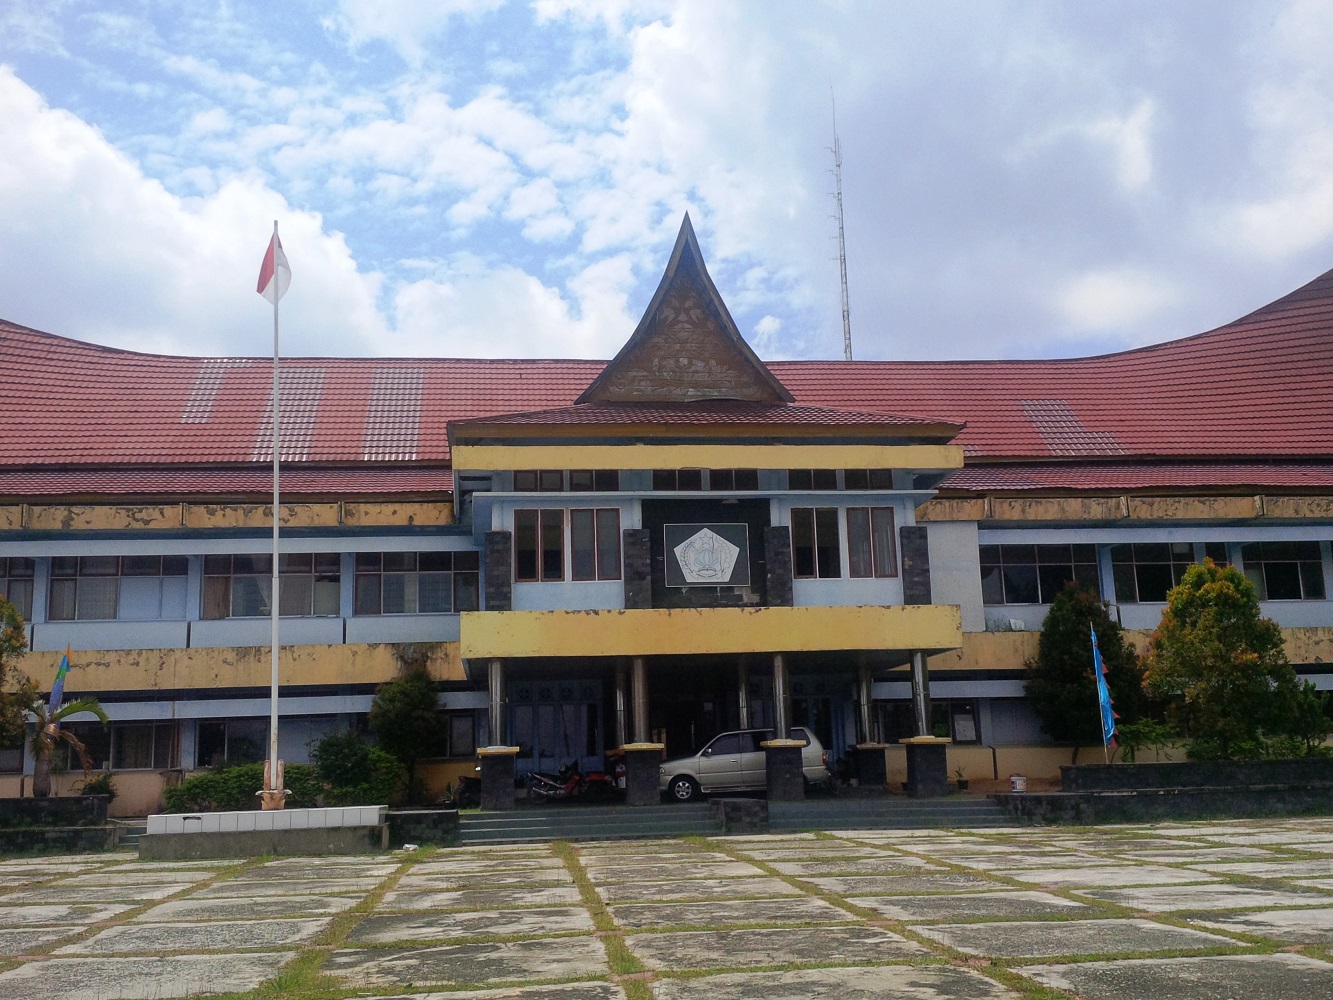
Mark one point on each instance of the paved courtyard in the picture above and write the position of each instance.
(1188, 911)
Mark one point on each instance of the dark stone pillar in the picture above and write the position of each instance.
(643, 761)
(777, 557)
(872, 770)
(497, 777)
(927, 767)
(782, 761)
(499, 558)
(637, 560)
(916, 564)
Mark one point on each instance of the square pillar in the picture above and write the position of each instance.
(927, 766)
(497, 777)
(643, 762)
(872, 768)
(782, 762)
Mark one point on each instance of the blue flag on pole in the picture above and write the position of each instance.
(58, 688)
(1103, 693)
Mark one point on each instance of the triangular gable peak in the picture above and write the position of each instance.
(686, 348)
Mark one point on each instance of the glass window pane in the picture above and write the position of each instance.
(747, 479)
(824, 479)
(175, 565)
(97, 598)
(1282, 581)
(132, 747)
(328, 562)
(582, 545)
(295, 596)
(1020, 584)
(1052, 580)
(860, 561)
(580, 480)
(367, 594)
(65, 566)
(1152, 552)
(989, 555)
(217, 565)
(1216, 551)
(166, 746)
(466, 561)
(435, 593)
(1254, 572)
(1051, 555)
(608, 544)
(553, 544)
(60, 607)
(466, 592)
(399, 592)
(881, 537)
(99, 565)
(803, 541)
(368, 561)
(1154, 580)
(992, 585)
(606, 480)
(253, 564)
(525, 545)
(295, 562)
(664, 479)
(19, 594)
(1312, 581)
(800, 479)
(1126, 585)
(400, 562)
(690, 479)
(21, 566)
(828, 555)
(525, 481)
(142, 566)
(250, 596)
(1088, 579)
(855, 479)
(434, 562)
(550, 480)
(328, 596)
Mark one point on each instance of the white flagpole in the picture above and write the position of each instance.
(272, 780)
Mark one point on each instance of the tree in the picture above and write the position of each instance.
(1222, 670)
(405, 719)
(1060, 683)
(48, 734)
(356, 772)
(17, 692)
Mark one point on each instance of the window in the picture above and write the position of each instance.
(104, 588)
(733, 480)
(594, 480)
(671, 480)
(955, 719)
(1144, 572)
(816, 547)
(126, 746)
(460, 730)
(1284, 571)
(812, 479)
(594, 544)
(867, 479)
(1034, 574)
(230, 741)
(16, 575)
(870, 548)
(539, 481)
(242, 586)
(416, 583)
(539, 545)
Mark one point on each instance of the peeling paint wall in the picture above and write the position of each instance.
(1080, 509)
(121, 517)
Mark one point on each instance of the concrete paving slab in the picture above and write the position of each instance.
(1289, 926)
(730, 888)
(473, 865)
(683, 870)
(668, 846)
(21, 941)
(485, 880)
(976, 845)
(41, 915)
(768, 946)
(885, 865)
(889, 885)
(1107, 876)
(196, 937)
(1251, 977)
(141, 978)
(1314, 883)
(1289, 868)
(289, 887)
(131, 878)
(243, 908)
(719, 913)
(566, 991)
(826, 853)
(387, 928)
(97, 894)
(1056, 938)
(337, 872)
(481, 899)
(900, 982)
(979, 905)
(154, 866)
(627, 860)
(1001, 862)
(1190, 855)
(462, 964)
(1164, 899)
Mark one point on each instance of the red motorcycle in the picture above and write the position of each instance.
(570, 783)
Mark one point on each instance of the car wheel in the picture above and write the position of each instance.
(683, 789)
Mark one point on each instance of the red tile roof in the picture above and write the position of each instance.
(183, 483)
(1115, 477)
(1258, 388)
(711, 412)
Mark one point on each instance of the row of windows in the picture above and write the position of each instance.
(541, 541)
(154, 588)
(672, 480)
(1143, 573)
(816, 542)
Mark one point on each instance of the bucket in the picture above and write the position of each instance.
(1018, 783)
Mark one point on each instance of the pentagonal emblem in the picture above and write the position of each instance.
(706, 557)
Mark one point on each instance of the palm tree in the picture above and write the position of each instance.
(48, 735)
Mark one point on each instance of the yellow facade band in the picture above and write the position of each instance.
(708, 456)
(683, 631)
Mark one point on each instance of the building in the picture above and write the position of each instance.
(655, 549)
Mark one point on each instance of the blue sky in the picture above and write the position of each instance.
(491, 178)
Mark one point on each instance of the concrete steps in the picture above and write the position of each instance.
(130, 832)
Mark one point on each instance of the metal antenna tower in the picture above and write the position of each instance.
(842, 239)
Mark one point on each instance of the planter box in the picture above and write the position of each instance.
(1196, 774)
(75, 810)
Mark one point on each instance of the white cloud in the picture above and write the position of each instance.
(1129, 138)
(406, 25)
(1112, 300)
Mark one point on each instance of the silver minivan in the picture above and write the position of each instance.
(735, 762)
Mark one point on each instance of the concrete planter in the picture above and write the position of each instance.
(76, 810)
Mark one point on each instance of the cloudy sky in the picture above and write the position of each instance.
(506, 177)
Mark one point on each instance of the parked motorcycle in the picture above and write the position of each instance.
(468, 794)
(570, 783)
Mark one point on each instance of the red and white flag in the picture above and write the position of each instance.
(275, 274)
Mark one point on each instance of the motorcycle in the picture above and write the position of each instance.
(468, 794)
(570, 783)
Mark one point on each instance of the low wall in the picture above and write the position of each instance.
(253, 843)
(81, 810)
(58, 840)
(138, 793)
(1149, 805)
(1197, 774)
(422, 826)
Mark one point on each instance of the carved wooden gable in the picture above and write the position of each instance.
(686, 347)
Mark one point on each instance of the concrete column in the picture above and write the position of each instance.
(781, 699)
(864, 732)
(496, 684)
(497, 777)
(642, 763)
(622, 705)
(743, 693)
(639, 693)
(921, 694)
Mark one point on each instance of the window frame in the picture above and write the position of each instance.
(220, 588)
(369, 569)
(67, 597)
(602, 558)
(1308, 571)
(882, 558)
(1022, 567)
(548, 527)
(825, 555)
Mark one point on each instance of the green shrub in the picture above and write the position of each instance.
(100, 785)
(355, 772)
(232, 789)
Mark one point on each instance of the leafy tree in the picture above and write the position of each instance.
(405, 720)
(48, 734)
(1223, 672)
(17, 692)
(1060, 682)
(230, 789)
(356, 772)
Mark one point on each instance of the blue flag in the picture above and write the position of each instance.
(58, 688)
(1103, 693)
